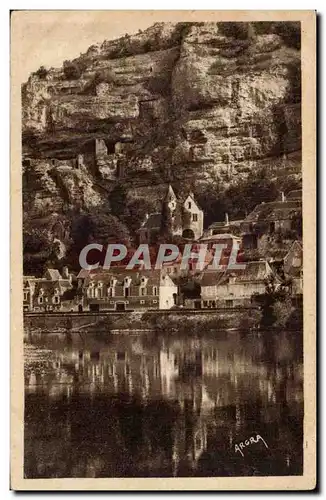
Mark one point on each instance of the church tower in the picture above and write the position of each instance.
(171, 214)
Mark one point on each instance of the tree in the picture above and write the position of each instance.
(118, 200)
(42, 73)
(39, 252)
(276, 303)
(72, 70)
(106, 75)
(137, 210)
(106, 228)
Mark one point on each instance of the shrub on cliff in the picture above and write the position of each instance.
(159, 85)
(42, 72)
(239, 30)
(290, 33)
(39, 253)
(137, 210)
(73, 69)
(104, 76)
(99, 227)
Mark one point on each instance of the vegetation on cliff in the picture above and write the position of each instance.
(211, 107)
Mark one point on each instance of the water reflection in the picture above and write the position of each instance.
(132, 406)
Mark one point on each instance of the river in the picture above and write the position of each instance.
(164, 405)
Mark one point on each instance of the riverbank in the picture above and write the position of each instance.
(138, 320)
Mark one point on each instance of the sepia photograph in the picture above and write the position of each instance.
(164, 169)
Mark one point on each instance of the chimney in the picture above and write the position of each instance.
(282, 196)
(66, 275)
(226, 219)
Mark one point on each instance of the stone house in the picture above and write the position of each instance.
(182, 215)
(123, 290)
(28, 292)
(271, 219)
(234, 288)
(227, 239)
(225, 226)
(46, 293)
(193, 266)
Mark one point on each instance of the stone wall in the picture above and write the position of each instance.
(167, 320)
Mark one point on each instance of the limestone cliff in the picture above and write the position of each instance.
(186, 103)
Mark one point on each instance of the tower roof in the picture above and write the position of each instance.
(170, 194)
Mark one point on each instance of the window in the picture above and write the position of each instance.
(142, 302)
(40, 300)
(25, 295)
(111, 301)
(194, 217)
(189, 204)
(142, 290)
(154, 290)
(154, 301)
(126, 291)
(229, 303)
(56, 299)
(205, 303)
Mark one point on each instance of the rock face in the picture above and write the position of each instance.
(186, 102)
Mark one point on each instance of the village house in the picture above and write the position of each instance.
(233, 288)
(183, 217)
(46, 293)
(28, 292)
(123, 290)
(193, 265)
(225, 226)
(227, 239)
(270, 219)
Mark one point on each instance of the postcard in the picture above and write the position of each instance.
(163, 250)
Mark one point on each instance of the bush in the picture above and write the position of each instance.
(73, 69)
(290, 33)
(104, 76)
(239, 30)
(159, 85)
(42, 72)
(263, 27)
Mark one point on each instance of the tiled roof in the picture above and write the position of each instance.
(274, 211)
(83, 273)
(223, 225)
(53, 273)
(153, 276)
(296, 194)
(254, 271)
(210, 278)
(221, 236)
(49, 286)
